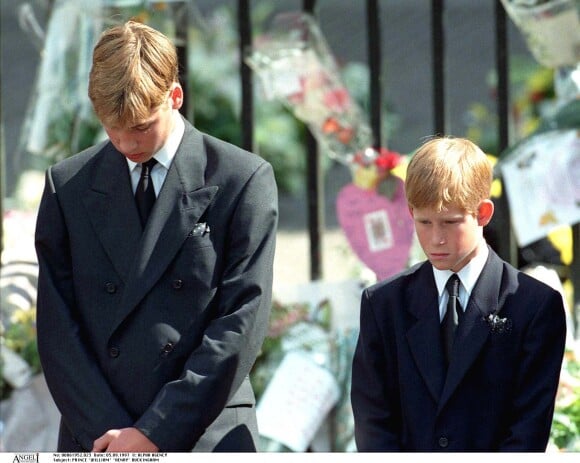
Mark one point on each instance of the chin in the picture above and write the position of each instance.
(440, 265)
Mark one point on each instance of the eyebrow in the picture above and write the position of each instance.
(143, 124)
(151, 120)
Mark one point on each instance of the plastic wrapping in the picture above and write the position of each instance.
(551, 29)
(295, 66)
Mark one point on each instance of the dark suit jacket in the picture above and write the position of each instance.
(156, 329)
(499, 392)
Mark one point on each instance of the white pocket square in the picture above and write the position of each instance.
(200, 229)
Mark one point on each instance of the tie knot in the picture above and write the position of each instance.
(452, 285)
(147, 166)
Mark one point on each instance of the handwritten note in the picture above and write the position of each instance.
(543, 171)
(296, 401)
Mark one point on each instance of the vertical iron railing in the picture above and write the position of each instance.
(245, 34)
(438, 62)
(314, 181)
(181, 37)
(375, 71)
(314, 191)
(506, 245)
(502, 67)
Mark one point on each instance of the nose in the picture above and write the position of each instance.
(438, 236)
(126, 143)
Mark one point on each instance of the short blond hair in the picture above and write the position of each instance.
(448, 171)
(134, 67)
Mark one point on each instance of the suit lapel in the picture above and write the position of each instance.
(473, 330)
(424, 336)
(112, 211)
(181, 202)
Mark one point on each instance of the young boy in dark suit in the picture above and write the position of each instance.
(474, 367)
(155, 250)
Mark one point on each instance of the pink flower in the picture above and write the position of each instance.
(337, 99)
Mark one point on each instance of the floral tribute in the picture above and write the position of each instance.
(372, 212)
(296, 66)
(565, 431)
(551, 29)
(305, 328)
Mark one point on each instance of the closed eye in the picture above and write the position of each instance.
(142, 128)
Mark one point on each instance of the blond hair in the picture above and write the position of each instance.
(448, 171)
(134, 67)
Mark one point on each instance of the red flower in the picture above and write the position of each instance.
(330, 125)
(537, 96)
(387, 160)
(345, 135)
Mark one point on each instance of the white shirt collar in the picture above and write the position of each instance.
(167, 152)
(468, 275)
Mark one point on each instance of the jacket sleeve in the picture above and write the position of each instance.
(376, 416)
(215, 370)
(83, 396)
(538, 378)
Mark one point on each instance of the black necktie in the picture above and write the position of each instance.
(145, 193)
(452, 315)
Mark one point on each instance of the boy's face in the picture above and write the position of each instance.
(139, 142)
(451, 238)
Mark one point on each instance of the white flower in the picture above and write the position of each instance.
(498, 324)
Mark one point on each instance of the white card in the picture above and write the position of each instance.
(296, 401)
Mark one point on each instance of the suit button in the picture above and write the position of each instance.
(110, 287)
(114, 352)
(177, 284)
(167, 348)
(443, 442)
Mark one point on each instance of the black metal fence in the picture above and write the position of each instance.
(506, 246)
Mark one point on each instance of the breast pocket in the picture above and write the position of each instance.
(195, 266)
(200, 235)
(195, 242)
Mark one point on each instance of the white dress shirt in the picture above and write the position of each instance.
(468, 276)
(164, 158)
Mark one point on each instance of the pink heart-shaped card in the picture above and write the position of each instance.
(378, 229)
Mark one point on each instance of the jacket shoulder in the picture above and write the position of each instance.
(69, 167)
(240, 160)
(521, 279)
(398, 282)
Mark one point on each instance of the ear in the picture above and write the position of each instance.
(176, 96)
(485, 212)
(411, 211)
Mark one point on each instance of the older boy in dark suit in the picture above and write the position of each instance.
(152, 309)
(461, 352)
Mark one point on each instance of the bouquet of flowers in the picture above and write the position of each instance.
(301, 334)
(551, 29)
(19, 360)
(295, 66)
